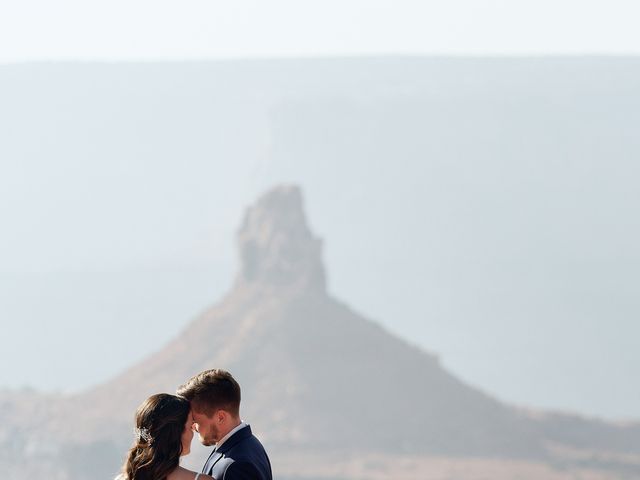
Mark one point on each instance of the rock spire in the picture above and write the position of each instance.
(275, 244)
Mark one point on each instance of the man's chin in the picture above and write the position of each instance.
(207, 442)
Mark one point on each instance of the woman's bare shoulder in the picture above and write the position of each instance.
(182, 473)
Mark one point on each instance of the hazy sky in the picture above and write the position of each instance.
(161, 29)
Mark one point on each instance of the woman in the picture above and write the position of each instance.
(163, 434)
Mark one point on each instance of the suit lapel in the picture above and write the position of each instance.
(208, 465)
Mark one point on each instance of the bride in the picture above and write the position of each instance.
(163, 434)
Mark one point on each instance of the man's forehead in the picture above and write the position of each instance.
(196, 414)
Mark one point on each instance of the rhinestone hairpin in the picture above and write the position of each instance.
(142, 434)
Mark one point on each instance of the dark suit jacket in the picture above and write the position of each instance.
(240, 457)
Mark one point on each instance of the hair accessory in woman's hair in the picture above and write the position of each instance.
(142, 434)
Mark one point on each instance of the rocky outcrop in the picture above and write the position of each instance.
(275, 244)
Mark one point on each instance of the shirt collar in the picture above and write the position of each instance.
(228, 435)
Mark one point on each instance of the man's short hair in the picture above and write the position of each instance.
(212, 390)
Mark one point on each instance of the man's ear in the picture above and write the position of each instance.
(221, 416)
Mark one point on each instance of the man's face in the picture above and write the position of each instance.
(207, 428)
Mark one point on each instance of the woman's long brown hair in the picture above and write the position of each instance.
(161, 417)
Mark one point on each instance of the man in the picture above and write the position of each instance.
(215, 404)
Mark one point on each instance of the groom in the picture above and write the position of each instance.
(215, 404)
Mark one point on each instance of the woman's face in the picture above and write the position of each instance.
(187, 435)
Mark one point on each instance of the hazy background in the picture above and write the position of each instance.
(497, 227)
